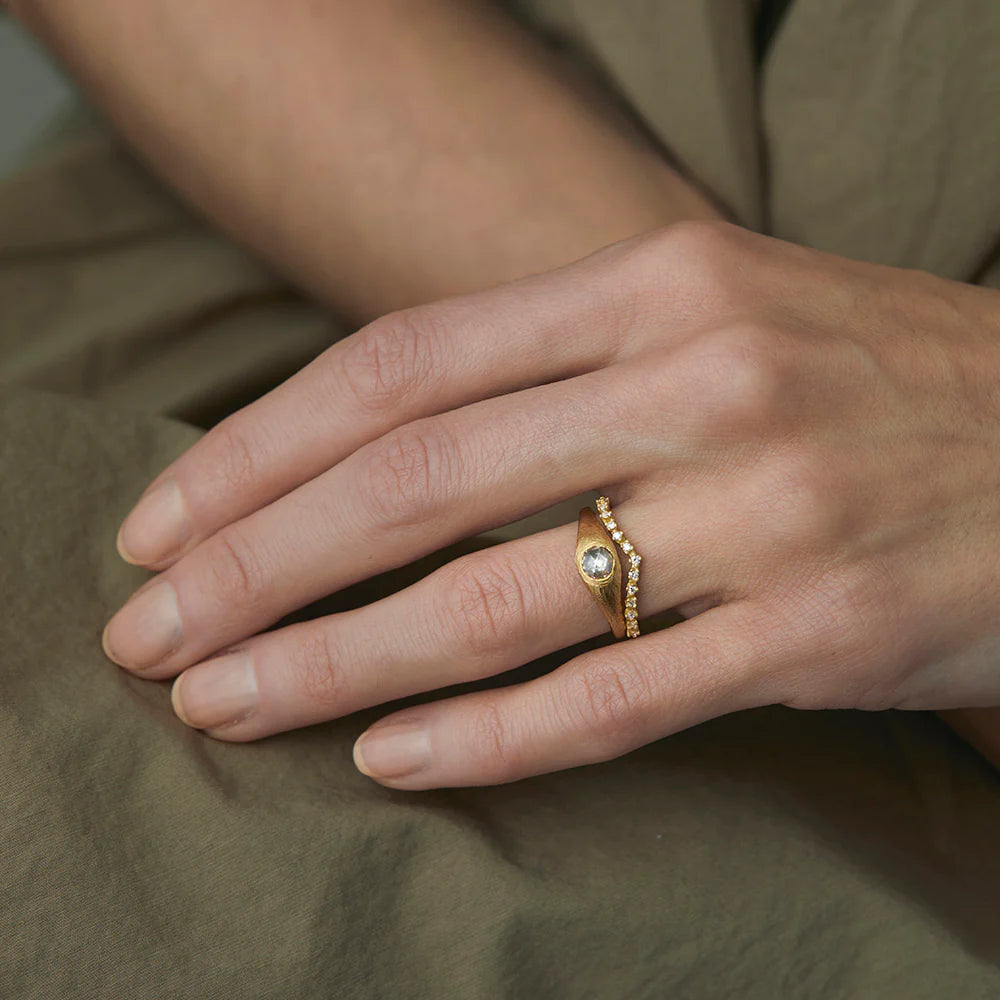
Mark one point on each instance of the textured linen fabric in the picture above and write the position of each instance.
(768, 854)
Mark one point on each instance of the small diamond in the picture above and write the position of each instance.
(611, 524)
(633, 574)
(635, 558)
(616, 535)
(627, 547)
(631, 589)
(597, 562)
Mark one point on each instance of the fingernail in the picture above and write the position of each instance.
(146, 629)
(393, 751)
(156, 528)
(216, 693)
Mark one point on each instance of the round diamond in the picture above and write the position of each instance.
(617, 536)
(597, 562)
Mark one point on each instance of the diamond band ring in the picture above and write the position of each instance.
(601, 568)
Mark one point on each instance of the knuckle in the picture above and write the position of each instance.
(796, 501)
(699, 239)
(412, 471)
(237, 572)
(387, 362)
(697, 265)
(703, 251)
(612, 701)
(320, 673)
(485, 605)
(742, 367)
(697, 260)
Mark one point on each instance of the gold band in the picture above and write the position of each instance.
(600, 568)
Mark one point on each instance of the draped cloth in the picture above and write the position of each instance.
(766, 854)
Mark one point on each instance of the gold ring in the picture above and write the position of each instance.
(597, 540)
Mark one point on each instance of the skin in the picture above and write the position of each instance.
(374, 152)
(822, 510)
(801, 446)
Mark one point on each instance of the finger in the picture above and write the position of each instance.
(409, 364)
(401, 497)
(479, 615)
(434, 481)
(427, 360)
(596, 707)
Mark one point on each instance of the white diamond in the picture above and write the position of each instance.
(611, 524)
(633, 574)
(616, 535)
(627, 547)
(597, 562)
(635, 558)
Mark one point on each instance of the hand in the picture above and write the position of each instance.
(802, 447)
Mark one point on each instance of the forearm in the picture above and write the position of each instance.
(380, 154)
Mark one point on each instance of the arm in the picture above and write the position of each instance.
(380, 154)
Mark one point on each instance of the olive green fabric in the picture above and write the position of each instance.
(769, 854)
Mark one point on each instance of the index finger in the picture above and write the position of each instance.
(429, 359)
(409, 364)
